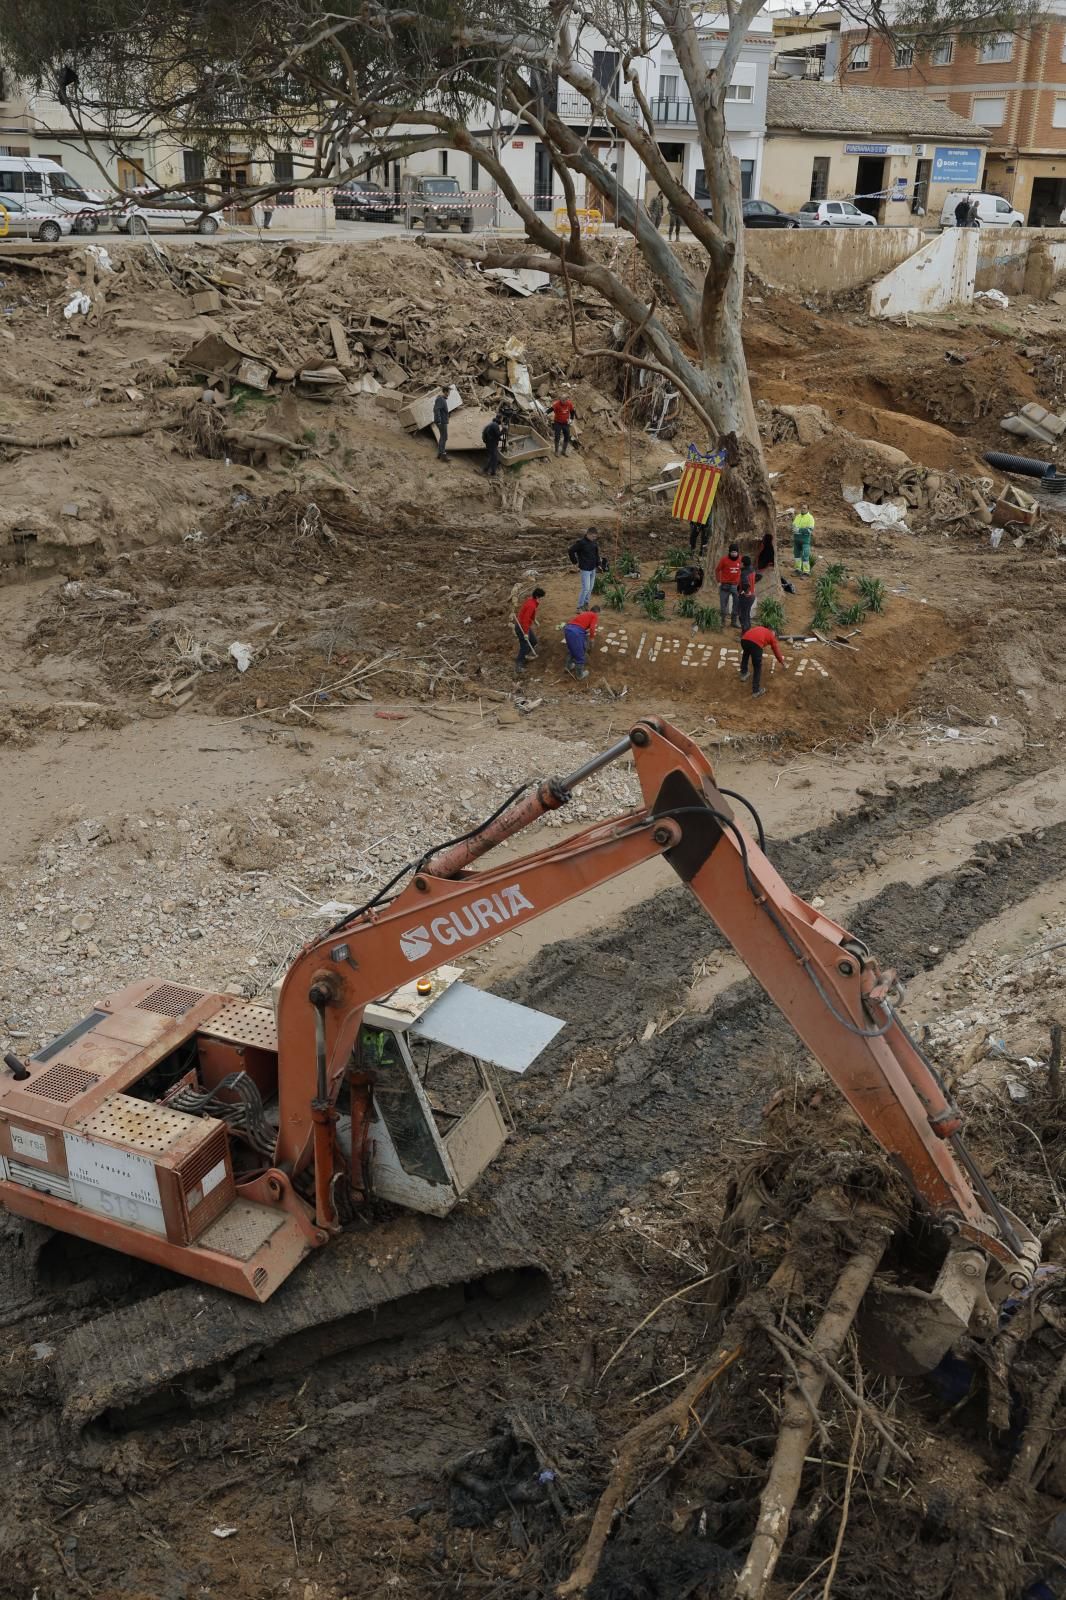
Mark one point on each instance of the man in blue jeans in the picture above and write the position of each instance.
(584, 554)
(577, 633)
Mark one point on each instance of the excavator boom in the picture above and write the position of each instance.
(824, 982)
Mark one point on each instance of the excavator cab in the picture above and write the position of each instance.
(429, 1049)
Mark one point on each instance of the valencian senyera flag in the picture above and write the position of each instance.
(698, 485)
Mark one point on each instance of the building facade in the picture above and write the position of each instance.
(1013, 84)
(662, 82)
(895, 153)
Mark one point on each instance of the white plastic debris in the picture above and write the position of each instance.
(42, 1351)
(995, 297)
(995, 538)
(884, 516)
(335, 909)
(952, 733)
(242, 655)
(223, 1533)
(78, 306)
(103, 259)
(1017, 1089)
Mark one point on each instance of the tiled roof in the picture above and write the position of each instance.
(806, 107)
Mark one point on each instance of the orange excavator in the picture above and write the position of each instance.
(227, 1140)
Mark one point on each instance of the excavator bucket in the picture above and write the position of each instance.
(389, 1282)
(906, 1331)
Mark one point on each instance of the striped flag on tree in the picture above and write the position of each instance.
(698, 485)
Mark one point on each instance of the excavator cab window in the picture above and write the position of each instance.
(401, 1103)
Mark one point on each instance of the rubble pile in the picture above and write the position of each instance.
(889, 490)
(224, 897)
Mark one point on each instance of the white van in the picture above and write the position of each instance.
(992, 210)
(35, 178)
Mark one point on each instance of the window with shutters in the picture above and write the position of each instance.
(990, 109)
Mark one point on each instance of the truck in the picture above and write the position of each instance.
(436, 203)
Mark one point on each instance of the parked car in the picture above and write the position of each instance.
(33, 219)
(834, 214)
(761, 214)
(39, 180)
(165, 212)
(436, 203)
(992, 210)
(362, 201)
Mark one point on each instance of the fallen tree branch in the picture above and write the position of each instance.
(804, 1349)
(797, 1424)
(630, 1454)
(50, 441)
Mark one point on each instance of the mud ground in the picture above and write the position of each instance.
(918, 792)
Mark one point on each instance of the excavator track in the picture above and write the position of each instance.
(193, 1347)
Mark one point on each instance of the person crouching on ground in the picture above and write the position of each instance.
(578, 633)
(752, 645)
(689, 579)
(524, 628)
(727, 572)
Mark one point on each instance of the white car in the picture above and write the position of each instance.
(834, 214)
(32, 219)
(990, 210)
(178, 212)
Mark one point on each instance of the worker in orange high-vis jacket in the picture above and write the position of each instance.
(752, 645)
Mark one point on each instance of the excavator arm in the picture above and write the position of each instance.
(824, 982)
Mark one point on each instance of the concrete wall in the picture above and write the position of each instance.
(1002, 257)
(827, 260)
(942, 274)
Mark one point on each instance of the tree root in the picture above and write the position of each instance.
(797, 1422)
(1037, 1435)
(630, 1454)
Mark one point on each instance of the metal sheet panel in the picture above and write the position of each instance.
(509, 1035)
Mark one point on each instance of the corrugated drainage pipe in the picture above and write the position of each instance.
(1022, 464)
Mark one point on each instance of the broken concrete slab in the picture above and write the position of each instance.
(519, 280)
(811, 422)
(418, 414)
(464, 430)
(1035, 422)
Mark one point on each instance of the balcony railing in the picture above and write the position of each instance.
(577, 107)
(676, 112)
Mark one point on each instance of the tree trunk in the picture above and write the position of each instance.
(728, 393)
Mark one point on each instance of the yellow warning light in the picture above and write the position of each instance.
(424, 986)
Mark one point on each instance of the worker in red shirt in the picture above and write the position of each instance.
(578, 632)
(752, 645)
(523, 627)
(563, 413)
(746, 593)
(727, 572)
